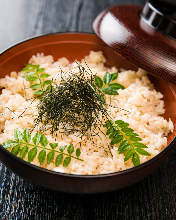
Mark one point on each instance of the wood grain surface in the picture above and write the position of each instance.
(153, 198)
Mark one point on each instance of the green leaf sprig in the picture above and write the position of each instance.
(38, 78)
(106, 86)
(129, 142)
(37, 146)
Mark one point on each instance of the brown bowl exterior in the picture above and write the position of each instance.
(76, 46)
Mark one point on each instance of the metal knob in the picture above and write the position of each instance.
(161, 16)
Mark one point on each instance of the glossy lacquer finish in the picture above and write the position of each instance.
(122, 28)
(76, 46)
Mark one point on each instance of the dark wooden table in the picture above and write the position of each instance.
(153, 198)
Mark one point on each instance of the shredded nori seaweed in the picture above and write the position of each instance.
(76, 105)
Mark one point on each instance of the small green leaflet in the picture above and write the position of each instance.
(47, 82)
(15, 149)
(18, 135)
(38, 147)
(116, 86)
(70, 149)
(26, 136)
(98, 81)
(62, 148)
(66, 162)
(114, 76)
(39, 92)
(128, 155)
(36, 138)
(41, 156)
(117, 139)
(59, 160)
(136, 159)
(35, 86)
(23, 151)
(53, 145)
(43, 140)
(142, 152)
(78, 152)
(107, 78)
(32, 154)
(31, 78)
(44, 75)
(110, 91)
(9, 143)
(50, 157)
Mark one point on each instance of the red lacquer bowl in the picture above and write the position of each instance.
(76, 46)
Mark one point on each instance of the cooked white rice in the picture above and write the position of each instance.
(144, 103)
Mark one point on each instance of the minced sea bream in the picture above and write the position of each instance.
(137, 106)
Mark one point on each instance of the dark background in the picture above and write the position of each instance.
(153, 198)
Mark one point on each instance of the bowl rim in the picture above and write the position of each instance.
(91, 176)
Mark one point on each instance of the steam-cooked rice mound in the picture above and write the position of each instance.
(139, 104)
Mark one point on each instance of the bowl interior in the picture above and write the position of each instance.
(75, 46)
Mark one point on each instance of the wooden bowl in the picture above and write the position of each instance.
(76, 46)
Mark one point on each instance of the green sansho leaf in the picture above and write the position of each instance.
(135, 138)
(35, 86)
(116, 86)
(18, 135)
(113, 134)
(109, 131)
(44, 75)
(142, 152)
(32, 154)
(50, 157)
(78, 152)
(66, 162)
(98, 81)
(107, 78)
(53, 145)
(62, 148)
(59, 160)
(48, 88)
(121, 123)
(114, 76)
(139, 145)
(15, 149)
(70, 149)
(42, 156)
(40, 70)
(24, 151)
(39, 92)
(124, 146)
(31, 78)
(26, 135)
(128, 155)
(124, 149)
(36, 138)
(110, 91)
(117, 139)
(127, 130)
(43, 140)
(47, 82)
(136, 159)
(29, 74)
(9, 143)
